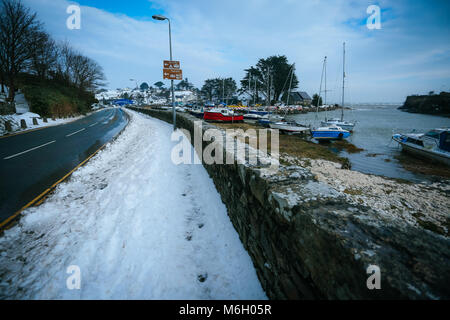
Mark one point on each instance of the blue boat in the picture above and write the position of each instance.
(330, 133)
(259, 113)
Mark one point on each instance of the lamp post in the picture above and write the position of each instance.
(135, 81)
(162, 18)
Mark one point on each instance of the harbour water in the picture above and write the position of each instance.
(375, 124)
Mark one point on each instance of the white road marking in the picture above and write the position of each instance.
(19, 154)
(93, 125)
(69, 135)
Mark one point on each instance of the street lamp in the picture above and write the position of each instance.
(133, 80)
(162, 18)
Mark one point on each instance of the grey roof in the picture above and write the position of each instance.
(300, 96)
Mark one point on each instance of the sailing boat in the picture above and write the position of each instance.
(346, 125)
(327, 131)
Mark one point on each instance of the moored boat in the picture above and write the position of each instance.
(434, 145)
(222, 115)
(329, 133)
(252, 118)
(197, 112)
(346, 125)
(289, 126)
(266, 120)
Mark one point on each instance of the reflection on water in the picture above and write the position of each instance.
(375, 125)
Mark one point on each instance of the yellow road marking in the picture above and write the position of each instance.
(41, 197)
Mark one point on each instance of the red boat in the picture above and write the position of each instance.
(222, 115)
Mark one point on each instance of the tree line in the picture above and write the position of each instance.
(25, 47)
(269, 81)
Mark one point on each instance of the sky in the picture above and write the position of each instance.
(410, 54)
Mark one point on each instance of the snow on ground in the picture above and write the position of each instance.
(138, 227)
(28, 117)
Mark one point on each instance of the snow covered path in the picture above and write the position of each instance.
(137, 226)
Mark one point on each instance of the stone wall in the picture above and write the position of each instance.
(307, 242)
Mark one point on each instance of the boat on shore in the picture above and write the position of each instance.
(289, 127)
(259, 112)
(433, 145)
(222, 115)
(197, 112)
(266, 120)
(330, 133)
(252, 118)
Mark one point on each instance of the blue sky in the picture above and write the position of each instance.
(409, 54)
(138, 9)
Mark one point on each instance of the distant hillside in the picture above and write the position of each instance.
(51, 98)
(438, 104)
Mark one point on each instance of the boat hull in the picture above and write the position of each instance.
(290, 129)
(219, 117)
(424, 153)
(197, 114)
(329, 135)
(251, 121)
(264, 123)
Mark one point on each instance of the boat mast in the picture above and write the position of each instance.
(325, 75)
(290, 85)
(325, 67)
(343, 87)
(320, 88)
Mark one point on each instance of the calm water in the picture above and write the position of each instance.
(373, 132)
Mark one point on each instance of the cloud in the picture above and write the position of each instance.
(222, 38)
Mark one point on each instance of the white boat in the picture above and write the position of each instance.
(346, 125)
(434, 145)
(252, 118)
(269, 118)
(289, 126)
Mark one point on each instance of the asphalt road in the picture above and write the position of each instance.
(32, 162)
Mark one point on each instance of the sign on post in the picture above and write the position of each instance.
(173, 74)
(172, 70)
(171, 64)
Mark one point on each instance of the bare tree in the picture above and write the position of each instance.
(17, 26)
(78, 70)
(2, 74)
(44, 55)
(65, 55)
(89, 75)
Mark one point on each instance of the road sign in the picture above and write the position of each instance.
(173, 74)
(171, 64)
